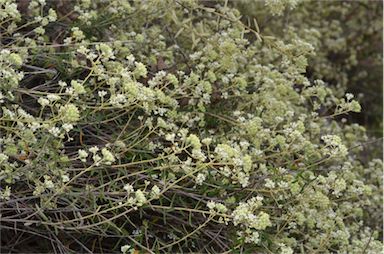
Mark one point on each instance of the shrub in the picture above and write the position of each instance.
(347, 37)
(173, 126)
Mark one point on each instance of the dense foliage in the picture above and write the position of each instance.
(347, 37)
(168, 126)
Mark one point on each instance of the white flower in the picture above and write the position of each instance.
(62, 84)
(217, 207)
(253, 238)
(206, 141)
(53, 97)
(261, 221)
(43, 102)
(52, 15)
(70, 113)
(48, 184)
(39, 30)
(140, 70)
(107, 156)
(77, 33)
(77, 87)
(6, 194)
(65, 178)
(244, 214)
(3, 157)
(106, 51)
(94, 149)
(170, 137)
(82, 155)
(118, 99)
(198, 154)
(339, 186)
(140, 198)
(128, 187)
(131, 59)
(96, 158)
(34, 126)
(15, 59)
(67, 127)
(125, 248)
(334, 146)
(211, 205)
(102, 93)
(269, 184)
(54, 131)
(349, 96)
(285, 250)
(155, 192)
(200, 178)
(243, 179)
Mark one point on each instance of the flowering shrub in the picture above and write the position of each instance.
(173, 126)
(347, 38)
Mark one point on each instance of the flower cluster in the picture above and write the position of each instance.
(175, 126)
